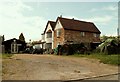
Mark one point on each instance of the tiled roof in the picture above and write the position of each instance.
(52, 23)
(72, 24)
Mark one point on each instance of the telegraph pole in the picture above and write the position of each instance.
(118, 33)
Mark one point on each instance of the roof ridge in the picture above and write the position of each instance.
(74, 24)
(51, 21)
(74, 19)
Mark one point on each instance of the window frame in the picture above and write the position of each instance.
(95, 35)
(49, 35)
(82, 34)
(58, 32)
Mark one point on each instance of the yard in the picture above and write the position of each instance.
(52, 67)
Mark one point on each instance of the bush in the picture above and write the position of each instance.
(70, 49)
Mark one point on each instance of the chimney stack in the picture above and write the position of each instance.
(61, 16)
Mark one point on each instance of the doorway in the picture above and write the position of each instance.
(14, 47)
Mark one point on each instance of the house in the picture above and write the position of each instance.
(48, 36)
(75, 32)
(14, 46)
(71, 31)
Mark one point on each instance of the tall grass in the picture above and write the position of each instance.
(113, 59)
(5, 56)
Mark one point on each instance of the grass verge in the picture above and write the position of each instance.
(5, 56)
(113, 59)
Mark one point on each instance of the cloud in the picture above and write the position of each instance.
(99, 19)
(105, 8)
(14, 22)
(96, 19)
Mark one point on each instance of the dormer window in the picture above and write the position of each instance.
(58, 32)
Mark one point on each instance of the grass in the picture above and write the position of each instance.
(113, 59)
(5, 56)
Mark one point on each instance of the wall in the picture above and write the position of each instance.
(72, 36)
(58, 40)
(76, 37)
(49, 40)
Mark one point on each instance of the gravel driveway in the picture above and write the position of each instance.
(51, 67)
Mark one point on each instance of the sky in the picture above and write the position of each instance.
(30, 17)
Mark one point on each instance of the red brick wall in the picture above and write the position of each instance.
(75, 36)
(58, 39)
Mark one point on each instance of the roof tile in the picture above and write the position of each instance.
(72, 24)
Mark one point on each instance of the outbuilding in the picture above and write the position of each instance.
(14, 46)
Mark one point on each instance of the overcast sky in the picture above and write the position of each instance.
(30, 17)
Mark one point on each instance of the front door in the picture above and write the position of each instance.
(14, 48)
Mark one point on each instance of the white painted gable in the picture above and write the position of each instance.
(58, 25)
(49, 28)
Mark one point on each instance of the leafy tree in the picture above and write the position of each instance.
(21, 37)
(104, 38)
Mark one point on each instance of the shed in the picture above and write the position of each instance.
(14, 45)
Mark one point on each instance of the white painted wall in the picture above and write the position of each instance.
(58, 25)
(43, 38)
(49, 40)
(52, 39)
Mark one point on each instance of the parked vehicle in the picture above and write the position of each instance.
(37, 50)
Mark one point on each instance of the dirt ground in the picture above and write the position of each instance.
(51, 67)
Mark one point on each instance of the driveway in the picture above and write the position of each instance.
(52, 67)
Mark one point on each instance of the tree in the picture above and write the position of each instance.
(21, 37)
(104, 38)
(3, 37)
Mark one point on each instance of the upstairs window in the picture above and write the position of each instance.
(58, 33)
(82, 33)
(49, 35)
(95, 35)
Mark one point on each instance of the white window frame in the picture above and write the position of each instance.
(49, 35)
(82, 33)
(58, 32)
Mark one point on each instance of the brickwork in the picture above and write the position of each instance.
(58, 40)
(76, 37)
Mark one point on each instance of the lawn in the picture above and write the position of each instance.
(113, 59)
(5, 56)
